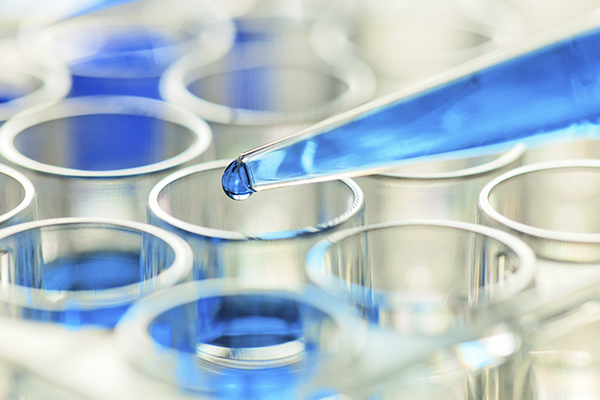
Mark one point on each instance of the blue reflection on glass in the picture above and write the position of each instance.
(94, 272)
(240, 322)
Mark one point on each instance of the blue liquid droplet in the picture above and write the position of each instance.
(236, 182)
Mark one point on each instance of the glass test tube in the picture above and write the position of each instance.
(421, 277)
(101, 155)
(552, 207)
(262, 242)
(214, 337)
(25, 83)
(85, 271)
(124, 50)
(446, 189)
(427, 279)
(405, 42)
(17, 198)
(264, 90)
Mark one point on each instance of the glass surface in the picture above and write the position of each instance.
(433, 279)
(85, 272)
(124, 50)
(17, 198)
(446, 189)
(231, 343)
(101, 155)
(265, 88)
(262, 242)
(422, 277)
(27, 82)
(552, 207)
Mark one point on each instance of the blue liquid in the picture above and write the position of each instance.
(236, 182)
(100, 272)
(127, 64)
(114, 141)
(553, 91)
(235, 322)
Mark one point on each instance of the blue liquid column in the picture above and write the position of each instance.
(552, 91)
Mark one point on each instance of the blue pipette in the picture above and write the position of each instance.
(547, 86)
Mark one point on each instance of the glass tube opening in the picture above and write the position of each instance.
(104, 136)
(26, 82)
(422, 277)
(79, 272)
(243, 331)
(285, 86)
(215, 337)
(552, 206)
(558, 198)
(17, 195)
(183, 200)
(273, 88)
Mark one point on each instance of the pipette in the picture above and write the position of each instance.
(547, 86)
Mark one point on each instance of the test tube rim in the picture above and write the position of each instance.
(55, 82)
(28, 196)
(37, 28)
(109, 105)
(174, 87)
(323, 278)
(186, 44)
(134, 339)
(561, 236)
(34, 298)
(154, 207)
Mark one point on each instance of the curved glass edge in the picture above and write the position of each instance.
(555, 245)
(184, 370)
(104, 104)
(89, 307)
(365, 296)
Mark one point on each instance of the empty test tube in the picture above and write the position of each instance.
(552, 207)
(77, 271)
(428, 279)
(101, 155)
(263, 90)
(446, 189)
(263, 242)
(124, 50)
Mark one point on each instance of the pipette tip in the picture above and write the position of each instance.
(236, 182)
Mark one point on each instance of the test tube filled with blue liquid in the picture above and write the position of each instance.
(79, 272)
(236, 343)
(125, 49)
